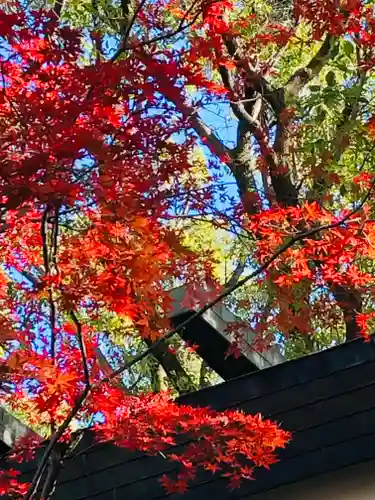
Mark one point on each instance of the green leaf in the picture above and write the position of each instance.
(343, 190)
(330, 78)
(348, 48)
(314, 88)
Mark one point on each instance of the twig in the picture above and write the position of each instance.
(82, 347)
(54, 440)
(55, 237)
(59, 4)
(236, 273)
(43, 231)
(130, 24)
(164, 36)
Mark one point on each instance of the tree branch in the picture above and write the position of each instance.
(53, 442)
(178, 377)
(204, 131)
(304, 75)
(249, 114)
(59, 4)
(236, 274)
(284, 189)
(350, 303)
(82, 347)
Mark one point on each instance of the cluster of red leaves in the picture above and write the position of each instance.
(334, 249)
(366, 322)
(216, 15)
(350, 17)
(321, 261)
(94, 142)
(66, 158)
(229, 441)
(324, 16)
(371, 127)
(10, 485)
(94, 264)
(274, 34)
(44, 388)
(77, 110)
(258, 339)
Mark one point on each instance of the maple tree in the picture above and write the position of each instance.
(101, 115)
(90, 170)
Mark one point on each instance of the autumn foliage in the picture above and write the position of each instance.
(97, 139)
(93, 143)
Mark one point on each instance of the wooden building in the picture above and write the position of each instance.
(327, 401)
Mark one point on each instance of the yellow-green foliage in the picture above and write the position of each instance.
(203, 236)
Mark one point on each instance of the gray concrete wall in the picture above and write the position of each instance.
(11, 428)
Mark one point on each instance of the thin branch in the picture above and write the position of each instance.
(303, 76)
(171, 365)
(204, 131)
(54, 238)
(200, 127)
(52, 308)
(43, 232)
(125, 9)
(57, 9)
(82, 347)
(52, 260)
(107, 368)
(236, 274)
(55, 465)
(132, 21)
(53, 442)
(46, 260)
(165, 36)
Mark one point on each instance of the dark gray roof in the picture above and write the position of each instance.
(327, 400)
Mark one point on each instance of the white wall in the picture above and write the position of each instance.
(352, 483)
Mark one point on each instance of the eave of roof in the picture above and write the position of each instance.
(209, 333)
